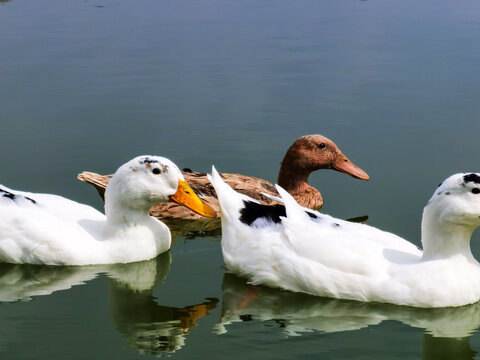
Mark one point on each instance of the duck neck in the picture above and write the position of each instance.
(123, 213)
(441, 240)
(293, 175)
(294, 181)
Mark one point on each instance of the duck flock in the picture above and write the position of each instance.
(272, 235)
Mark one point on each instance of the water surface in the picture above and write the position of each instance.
(87, 85)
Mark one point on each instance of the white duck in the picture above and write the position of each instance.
(302, 250)
(50, 229)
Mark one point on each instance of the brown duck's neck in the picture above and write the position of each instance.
(293, 180)
(296, 183)
(293, 177)
(294, 173)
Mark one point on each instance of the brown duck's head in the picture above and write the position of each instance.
(314, 152)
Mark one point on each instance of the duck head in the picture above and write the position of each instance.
(148, 180)
(314, 152)
(450, 216)
(457, 200)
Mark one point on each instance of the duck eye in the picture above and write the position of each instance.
(156, 171)
(476, 191)
(321, 146)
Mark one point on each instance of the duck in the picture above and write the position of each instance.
(53, 230)
(301, 250)
(307, 154)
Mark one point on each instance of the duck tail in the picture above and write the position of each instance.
(296, 217)
(99, 181)
(230, 201)
(291, 206)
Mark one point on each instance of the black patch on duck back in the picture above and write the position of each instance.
(253, 211)
(12, 196)
(471, 178)
(7, 194)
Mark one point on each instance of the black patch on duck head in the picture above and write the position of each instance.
(147, 160)
(12, 196)
(471, 178)
(253, 211)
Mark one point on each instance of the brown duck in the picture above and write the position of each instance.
(307, 154)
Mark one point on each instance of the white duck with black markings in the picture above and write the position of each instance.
(50, 229)
(302, 250)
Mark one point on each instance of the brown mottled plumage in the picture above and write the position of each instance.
(307, 154)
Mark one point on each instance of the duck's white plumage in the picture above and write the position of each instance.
(50, 229)
(324, 256)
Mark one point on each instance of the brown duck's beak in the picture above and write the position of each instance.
(186, 196)
(343, 164)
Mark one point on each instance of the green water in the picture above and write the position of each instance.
(87, 85)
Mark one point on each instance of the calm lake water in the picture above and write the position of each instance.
(87, 85)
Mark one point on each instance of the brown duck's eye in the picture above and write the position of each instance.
(156, 171)
(321, 146)
(476, 191)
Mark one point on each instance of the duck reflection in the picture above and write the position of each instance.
(23, 282)
(147, 325)
(447, 331)
(191, 229)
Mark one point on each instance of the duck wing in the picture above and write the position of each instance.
(251, 186)
(100, 182)
(36, 227)
(337, 242)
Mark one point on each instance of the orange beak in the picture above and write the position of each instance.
(343, 164)
(186, 196)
